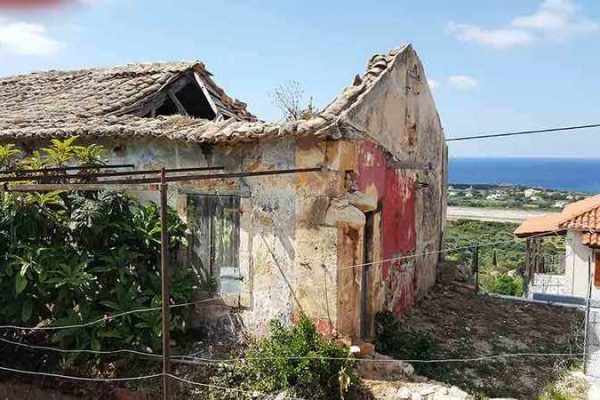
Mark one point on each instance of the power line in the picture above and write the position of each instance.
(48, 348)
(107, 318)
(251, 393)
(78, 378)
(529, 132)
(447, 250)
(390, 360)
(110, 318)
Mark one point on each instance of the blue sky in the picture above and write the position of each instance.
(494, 65)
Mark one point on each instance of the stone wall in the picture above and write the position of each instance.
(287, 251)
(302, 234)
(399, 113)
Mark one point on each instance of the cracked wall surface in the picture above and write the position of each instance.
(302, 236)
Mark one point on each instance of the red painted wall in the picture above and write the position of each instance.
(396, 194)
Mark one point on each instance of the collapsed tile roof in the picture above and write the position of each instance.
(582, 216)
(98, 103)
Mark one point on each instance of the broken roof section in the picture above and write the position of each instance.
(137, 101)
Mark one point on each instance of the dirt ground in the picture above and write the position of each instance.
(462, 324)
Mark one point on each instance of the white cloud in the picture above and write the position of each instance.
(25, 38)
(557, 18)
(497, 38)
(463, 82)
(554, 19)
(433, 84)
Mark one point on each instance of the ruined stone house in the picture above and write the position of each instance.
(283, 244)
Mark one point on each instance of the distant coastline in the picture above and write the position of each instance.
(566, 174)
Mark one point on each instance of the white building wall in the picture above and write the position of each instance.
(577, 264)
(593, 338)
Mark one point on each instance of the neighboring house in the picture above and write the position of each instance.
(529, 193)
(283, 244)
(580, 223)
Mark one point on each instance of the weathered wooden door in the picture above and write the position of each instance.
(365, 315)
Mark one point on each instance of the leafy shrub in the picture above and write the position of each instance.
(293, 359)
(505, 284)
(74, 257)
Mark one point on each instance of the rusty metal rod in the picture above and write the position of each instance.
(165, 286)
(137, 184)
(104, 174)
(83, 187)
(183, 178)
(69, 168)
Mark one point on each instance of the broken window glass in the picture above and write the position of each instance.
(214, 222)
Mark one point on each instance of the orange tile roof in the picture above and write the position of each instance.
(591, 239)
(539, 225)
(583, 215)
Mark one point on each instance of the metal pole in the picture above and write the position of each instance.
(165, 285)
(476, 267)
(587, 316)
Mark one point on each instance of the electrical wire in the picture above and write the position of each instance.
(252, 393)
(529, 132)
(107, 318)
(110, 318)
(389, 360)
(78, 378)
(48, 348)
(448, 250)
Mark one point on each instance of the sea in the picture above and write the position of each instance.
(568, 174)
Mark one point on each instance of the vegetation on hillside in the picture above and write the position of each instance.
(509, 196)
(501, 255)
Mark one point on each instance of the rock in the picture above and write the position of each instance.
(403, 394)
(362, 201)
(383, 367)
(455, 393)
(366, 349)
(342, 212)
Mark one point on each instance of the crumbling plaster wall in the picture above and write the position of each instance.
(392, 284)
(288, 252)
(399, 113)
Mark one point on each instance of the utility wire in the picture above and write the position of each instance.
(108, 318)
(251, 393)
(48, 348)
(530, 132)
(79, 378)
(448, 250)
(389, 360)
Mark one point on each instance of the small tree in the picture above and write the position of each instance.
(289, 98)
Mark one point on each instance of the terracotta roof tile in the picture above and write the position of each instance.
(539, 225)
(94, 103)
(591, 239)
(583, 216)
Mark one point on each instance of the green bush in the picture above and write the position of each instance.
(504, 284)
(75, 257)
(293, 359)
